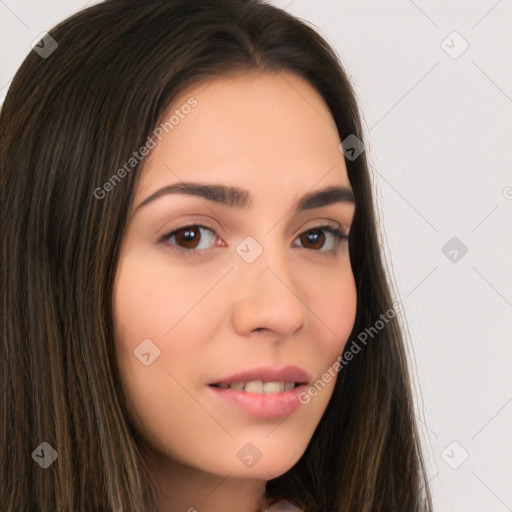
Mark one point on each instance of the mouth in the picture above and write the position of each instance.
(264, 379)
(262, 400)
(259, 386)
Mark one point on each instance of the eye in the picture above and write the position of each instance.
(188, 241)
(316, 238)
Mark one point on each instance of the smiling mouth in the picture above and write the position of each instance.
(259, 387)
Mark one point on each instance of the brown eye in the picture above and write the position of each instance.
(314, 237)
(189, 238)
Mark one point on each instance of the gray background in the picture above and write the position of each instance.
(439, 130)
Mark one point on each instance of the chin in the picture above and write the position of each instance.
(262, 461)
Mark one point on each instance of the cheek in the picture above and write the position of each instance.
(152, 300)
(159, 308)
(333, 301)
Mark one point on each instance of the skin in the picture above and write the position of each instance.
(214, 314)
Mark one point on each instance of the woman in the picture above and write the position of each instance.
(144, 370)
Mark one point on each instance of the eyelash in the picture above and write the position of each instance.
(339, 236)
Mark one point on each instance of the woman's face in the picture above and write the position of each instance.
(252, 284)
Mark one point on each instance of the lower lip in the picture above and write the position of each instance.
(273, 405)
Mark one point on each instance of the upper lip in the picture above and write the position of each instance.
(288, 373)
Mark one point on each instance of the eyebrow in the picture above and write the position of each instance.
(236, 197)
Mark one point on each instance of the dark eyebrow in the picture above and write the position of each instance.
(236, 197)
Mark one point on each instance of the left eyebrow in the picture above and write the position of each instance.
(236, 197)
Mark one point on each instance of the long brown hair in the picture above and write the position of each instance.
(69, 121)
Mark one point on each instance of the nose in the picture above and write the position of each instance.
(266, 296)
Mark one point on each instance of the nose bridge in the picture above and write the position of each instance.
(268, 296)
(267, 256)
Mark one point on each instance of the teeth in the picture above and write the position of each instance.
(254, 386)
(258, 386)
(273, 387)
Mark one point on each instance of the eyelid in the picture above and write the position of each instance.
(339, 233)
(202, 224)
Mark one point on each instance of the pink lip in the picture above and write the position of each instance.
(288, 373)
(270, 406)
(274, 405)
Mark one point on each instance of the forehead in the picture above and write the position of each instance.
(256, 129)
